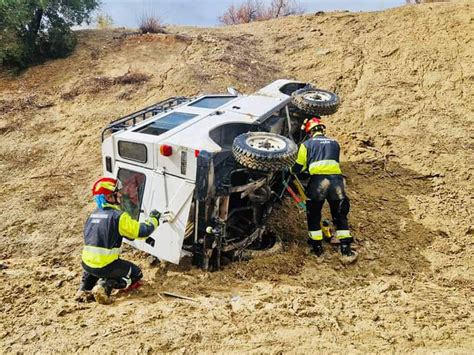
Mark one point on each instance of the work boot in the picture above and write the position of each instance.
(102, 292)
(316, 247)
(348, 255)
(84, 296)
(132, 287)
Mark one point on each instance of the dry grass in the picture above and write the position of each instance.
(71, 95)
(150, 24)
(126, 95)
(24, 103)
(132, 78)
(102, 83)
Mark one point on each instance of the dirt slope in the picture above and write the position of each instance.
(406, 125)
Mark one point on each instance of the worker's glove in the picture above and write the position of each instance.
(156, 215)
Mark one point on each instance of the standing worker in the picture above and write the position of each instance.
(103, 234)
(320, 156)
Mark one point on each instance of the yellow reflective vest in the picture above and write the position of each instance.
(104, 231)
(320, 155)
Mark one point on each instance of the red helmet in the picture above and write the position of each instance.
(106, 186)
(312, 123)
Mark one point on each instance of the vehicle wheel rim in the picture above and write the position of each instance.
(318, 96)
(267, 144)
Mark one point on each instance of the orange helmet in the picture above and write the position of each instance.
(312, 123)
(106, 186)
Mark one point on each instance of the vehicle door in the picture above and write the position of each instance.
(145, 190)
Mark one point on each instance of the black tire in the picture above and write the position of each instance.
(264, 151)
(275, 248)
(315, 102)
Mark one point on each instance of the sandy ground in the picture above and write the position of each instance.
(406, 125)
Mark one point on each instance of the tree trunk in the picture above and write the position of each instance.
(34, 27)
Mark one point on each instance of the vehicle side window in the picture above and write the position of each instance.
(132, 191)
(133, 151)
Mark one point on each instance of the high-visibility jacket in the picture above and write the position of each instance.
(320, 155)
(104, 231)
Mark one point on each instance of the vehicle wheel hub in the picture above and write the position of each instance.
(318, 96)
(269, 144)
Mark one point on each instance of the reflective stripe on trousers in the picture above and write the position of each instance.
(343, 234)
(325, 167)
(315, 235)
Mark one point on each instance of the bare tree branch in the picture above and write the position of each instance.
(254, 10)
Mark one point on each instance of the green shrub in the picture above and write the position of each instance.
(34, 30)
(57, 43)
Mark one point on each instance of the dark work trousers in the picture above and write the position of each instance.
(119, 274)
(330, 188)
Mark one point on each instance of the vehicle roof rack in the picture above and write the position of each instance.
(141, 115)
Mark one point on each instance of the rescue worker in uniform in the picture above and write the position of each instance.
(103, 233)
(320, 156)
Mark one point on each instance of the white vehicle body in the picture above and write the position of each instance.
(133, 152)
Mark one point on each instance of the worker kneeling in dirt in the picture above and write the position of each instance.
(103, 234)
(320, 155)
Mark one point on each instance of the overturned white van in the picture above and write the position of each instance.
(214, 165)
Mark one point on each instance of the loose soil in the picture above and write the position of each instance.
(406, 127)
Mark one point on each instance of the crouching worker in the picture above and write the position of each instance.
(103, 233)
(320, 155)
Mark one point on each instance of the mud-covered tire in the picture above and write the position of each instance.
(264, 151)
(276, 248)
(315, 102)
